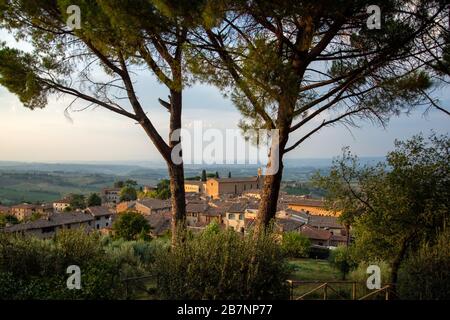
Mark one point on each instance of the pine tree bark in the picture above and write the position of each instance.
(176, 172)
(272, 182)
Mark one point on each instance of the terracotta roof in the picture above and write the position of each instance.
(238, 207)
(235, 180)
(194, 182)
(315, 234)
(306, 202)
(338, 238)
(53, 220)
(197, 207)
(24, 206)
(99, 211)
(325, 222)
(288, 225)
(159, 222)
(155, 203)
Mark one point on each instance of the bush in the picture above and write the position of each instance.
(341, 259)
(426, 273)
(131, 226)
(222, 265)
(31, 268)
(295, 245)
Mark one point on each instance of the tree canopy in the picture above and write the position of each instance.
(397, 205)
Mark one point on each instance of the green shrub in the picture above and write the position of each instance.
(295, 245)
(426, 273)
(222, 265)
(31, 268)
(131, 226)
(341, 259)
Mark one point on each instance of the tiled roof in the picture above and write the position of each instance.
(238, 207)
(306, 202)
(24, 206)
(159, 222)
(315, 234)
(194, 182)
(155, 203)
(197, 207)
(325, 222)
(53, 220)
(288, 224)
(236, 180)
(99, 211)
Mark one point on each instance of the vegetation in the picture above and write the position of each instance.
(312, 269)
(342, 259)
(394, 207)
(36, 269)
(128, 193)
(7, 219)
(162, 190)
(131, 226)
(93, 200)
(426, 273)
(295, 245)
(287, 64)
(222, 265)
(77, 201)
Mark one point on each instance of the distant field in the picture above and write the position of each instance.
(17, 187)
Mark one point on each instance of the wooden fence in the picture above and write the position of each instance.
(338, 290)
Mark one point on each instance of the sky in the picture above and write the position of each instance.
(47, 135)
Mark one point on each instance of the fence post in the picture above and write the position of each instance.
(325, 292)
(354, 291)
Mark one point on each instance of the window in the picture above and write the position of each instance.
(241, 216)
(231, 216)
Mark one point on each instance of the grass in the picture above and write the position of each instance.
(312, 269)
(317, 270)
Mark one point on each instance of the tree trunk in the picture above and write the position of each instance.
(272, 182)
(395, 266)
(178, 202)
(176, 170)
(269, 199)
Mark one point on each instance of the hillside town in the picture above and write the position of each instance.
(230, 202)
